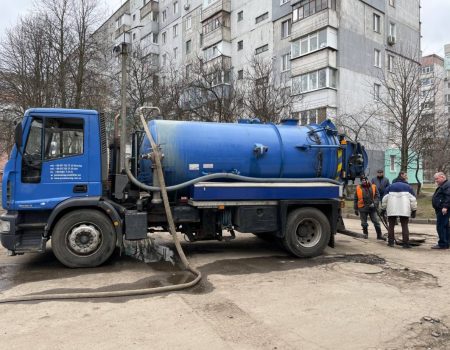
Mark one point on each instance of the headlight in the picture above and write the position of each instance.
(5, 226)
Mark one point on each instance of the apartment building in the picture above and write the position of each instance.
(330, 52)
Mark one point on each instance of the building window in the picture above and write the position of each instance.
(391, 63)
(447, 98)
(312, 116)
(262, 17)
(175, 7)
(261, 49)
(134, 36)
(216, 22)
(188, 70)
(309, 43)
(240, 75)
(211, 52)
(391, 96)
(427, 69)
(175, 51)
(311, 7)
(376, 91)
(377, 58)
(392, 3)
(319, 79)
(392, 29)
(163, 37)
(240, 16)
(164, 15)
(188, 47)
(134, 18)
(376, 23)
(175, 30)
(392, 164)
(285, 28)
(240, 45)
(286, 62)
(189, 23)
(164, 57)
(282, 2)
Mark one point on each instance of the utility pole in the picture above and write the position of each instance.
(122, 49)
(123, 103)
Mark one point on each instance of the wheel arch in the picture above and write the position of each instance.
(95, 203)
(329, 207)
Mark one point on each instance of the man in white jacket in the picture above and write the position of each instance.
(399, 201)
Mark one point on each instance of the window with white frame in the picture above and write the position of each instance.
(240, 75)
(427, 69)
(176, 7)
(392, 163)
(175, 30)
(240, 16)
(376, 91)
(164, 15)
(391, 59)
(286, 62)
(175, 52)
(376, 23)
(285, 28)
(164, 37)
(319, 79)
(211, 52)
(188, 22)
(309, 43)
(392, 29)
(377, 58)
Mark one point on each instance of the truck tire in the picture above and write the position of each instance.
(307, 232)
(83, 238)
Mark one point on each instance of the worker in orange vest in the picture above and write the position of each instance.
(365, 204)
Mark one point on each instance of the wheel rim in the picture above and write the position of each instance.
(308, 233)
(84, 239)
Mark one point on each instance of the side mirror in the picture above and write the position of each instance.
(18, 135)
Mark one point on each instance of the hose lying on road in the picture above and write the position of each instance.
(127, 293)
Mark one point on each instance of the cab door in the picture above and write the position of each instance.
(54, 165)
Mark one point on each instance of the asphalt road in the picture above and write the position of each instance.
(359, 295)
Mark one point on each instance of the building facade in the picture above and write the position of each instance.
(329, 52)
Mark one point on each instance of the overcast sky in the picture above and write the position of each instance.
(435, 20)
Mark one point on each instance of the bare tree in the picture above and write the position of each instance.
(401, 103)
(358, 127)
(267, 95)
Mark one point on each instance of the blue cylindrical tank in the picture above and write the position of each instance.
(193, 149)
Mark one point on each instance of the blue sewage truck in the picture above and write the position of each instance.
(64, 183)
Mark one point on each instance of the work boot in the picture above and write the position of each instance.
(379, 234)
(406, 245)
(365, 232)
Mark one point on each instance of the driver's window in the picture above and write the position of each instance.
(64, 137)
(32, 156)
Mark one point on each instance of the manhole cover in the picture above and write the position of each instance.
(359, 268)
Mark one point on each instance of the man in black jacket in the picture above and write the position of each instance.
(381, 182)
(441, 205)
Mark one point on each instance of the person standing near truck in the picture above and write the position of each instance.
(399, 201)
(441, 205)
(381, 182)
(365, 203)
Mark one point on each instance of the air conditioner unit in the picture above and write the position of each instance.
(391, 40)
(187, 6)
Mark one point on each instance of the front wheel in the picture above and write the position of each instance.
(307, 232)
(83, 238)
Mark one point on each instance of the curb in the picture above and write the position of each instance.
(411, 221)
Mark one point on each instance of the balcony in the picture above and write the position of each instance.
(151, 27)
(149, 49)
(219, 63)
(122, 29)
(314, 61)
(313, 23)
(151, 6)
(215, 7)
(220, 34)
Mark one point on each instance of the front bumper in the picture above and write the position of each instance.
(9, 238)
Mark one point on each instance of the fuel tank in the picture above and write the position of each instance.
(192, 149)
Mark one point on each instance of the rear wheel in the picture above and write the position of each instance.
(307, 232)
(83, 238)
